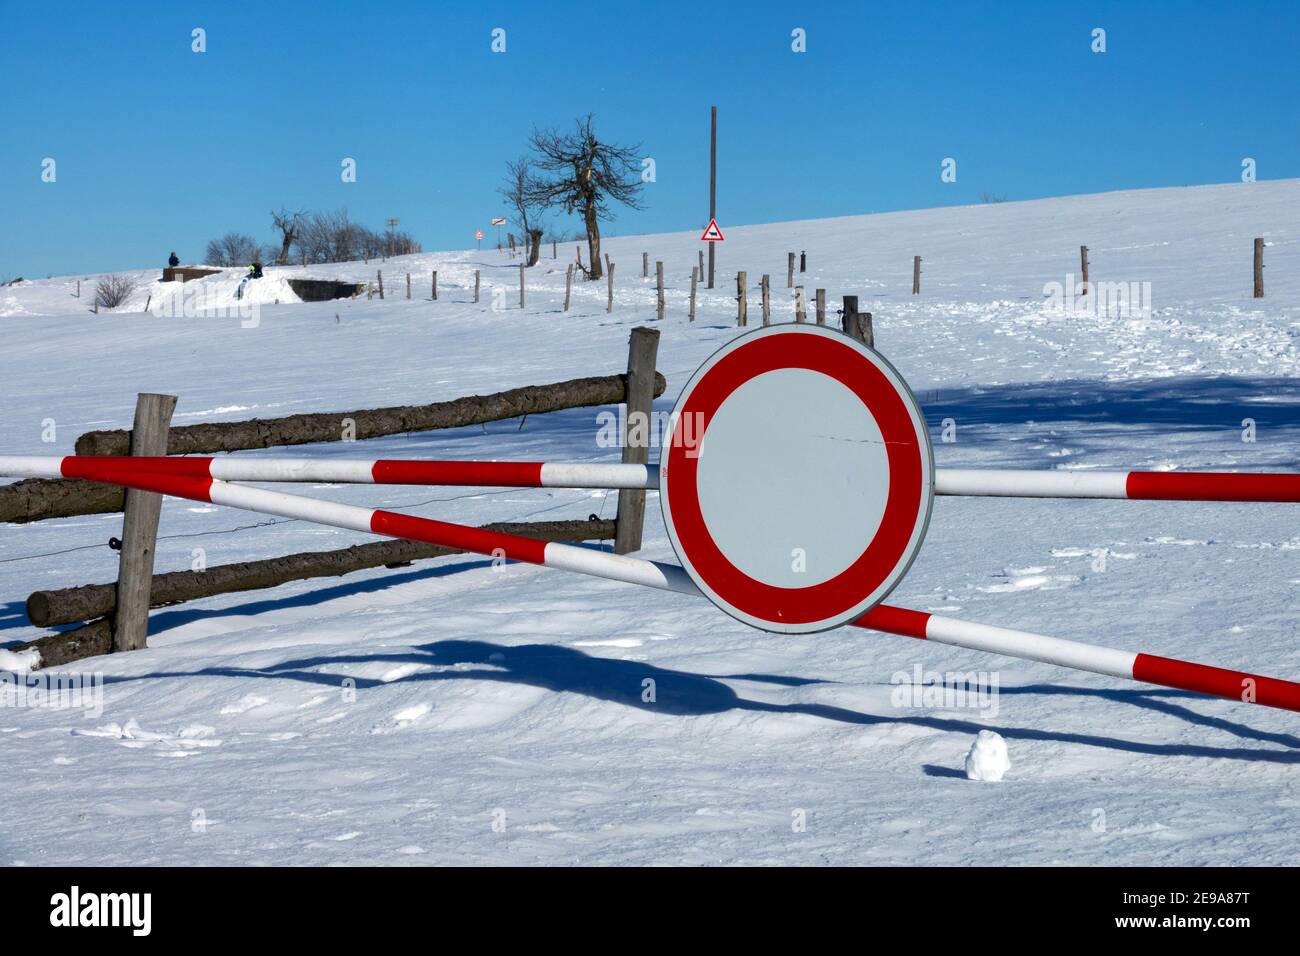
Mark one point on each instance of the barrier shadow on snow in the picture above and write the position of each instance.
(679, 693)
(1143, 407)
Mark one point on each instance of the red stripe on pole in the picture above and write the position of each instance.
(515, 474)
(513, 546)
(88, 466)
(1218, 682)
(895, 620)
(164, 483)
(1212, 486)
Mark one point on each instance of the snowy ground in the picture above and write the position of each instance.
(497, 716)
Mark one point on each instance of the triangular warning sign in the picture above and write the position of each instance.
(713, 233)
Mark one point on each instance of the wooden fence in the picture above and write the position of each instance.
(117, 613)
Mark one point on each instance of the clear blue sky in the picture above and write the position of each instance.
(159, 148)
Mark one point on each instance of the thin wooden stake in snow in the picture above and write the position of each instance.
(1083, 267)
(767, 301)
(408, 285)
(521, 285)
(568, 285)
(916, 275)
(789, 270)
(800, 305)
(821, 306)
(659, 281)
(742, 317)
(695, 275)
(380, 274)
(609, 272)
(435, 284)
(645, 265)
(1259, 268)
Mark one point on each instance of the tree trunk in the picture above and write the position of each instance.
(534, 246)
(593, 240)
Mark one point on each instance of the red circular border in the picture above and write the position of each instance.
(903, 506)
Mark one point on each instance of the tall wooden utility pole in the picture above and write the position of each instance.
(713, 183)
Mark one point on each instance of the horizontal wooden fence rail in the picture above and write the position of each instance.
(72, 605)
(41, 498)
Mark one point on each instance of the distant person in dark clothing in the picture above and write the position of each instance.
(255, 271)
(174, 261)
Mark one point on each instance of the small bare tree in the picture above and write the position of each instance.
(287, 224)
(113, 290)
(232, 249)
(516, 192)
(581, 174)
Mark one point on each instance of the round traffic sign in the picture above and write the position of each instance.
(797, 484)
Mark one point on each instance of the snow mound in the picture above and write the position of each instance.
(19, 662)
(987, 760)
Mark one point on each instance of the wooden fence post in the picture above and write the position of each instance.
(555, 253)
(1259, 268)
(642, 351)
(521, 285)
(380, 274)
(742, 317)
(476, 278)
(800, 305)
(803, 262)
(1083, 267)
(435, 285)
(701, 263)
(645, 265)
(568, 285)
(695, 275)
(916, 275)
(659, 281)
(78, 288)
(149, 434)
(858, 324)
(821, 306)
(609, 272)
(408, 285)
(767, 303)
(789, 270)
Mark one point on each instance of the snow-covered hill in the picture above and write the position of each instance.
(497, 716)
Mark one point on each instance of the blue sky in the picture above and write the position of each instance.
(158, 147)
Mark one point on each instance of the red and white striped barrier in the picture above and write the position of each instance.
(1147, 668)
(973, 482)
(1163, 671)
(1137, 485)
(377, 471)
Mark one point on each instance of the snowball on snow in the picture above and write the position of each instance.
(987, 759)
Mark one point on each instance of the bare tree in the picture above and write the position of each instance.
(287, 225)
(515, 191)
(232, 249)
(112, 291)
(581, 174)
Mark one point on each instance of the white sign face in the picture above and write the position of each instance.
(797, 486)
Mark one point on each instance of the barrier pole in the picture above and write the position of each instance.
(971, 482)
(1147, 668)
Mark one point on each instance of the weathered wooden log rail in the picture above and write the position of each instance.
(37, 499)
(70, 605)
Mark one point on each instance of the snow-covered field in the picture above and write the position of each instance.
(450, 713)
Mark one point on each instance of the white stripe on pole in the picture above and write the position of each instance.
(619, 567)
(557, 474)
(1035, 647)
(343, 470)
(24, 466)
(292, 506)
(1013, 483)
